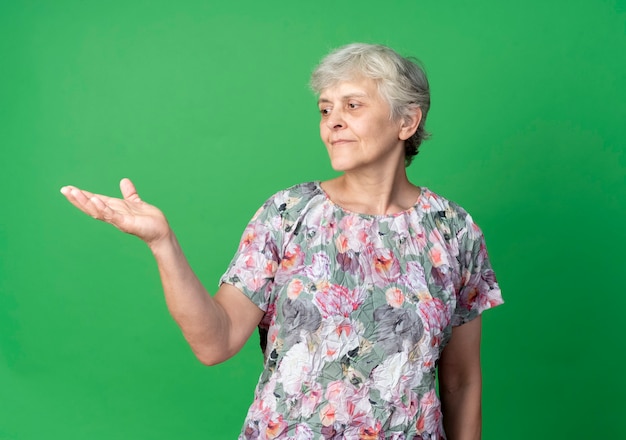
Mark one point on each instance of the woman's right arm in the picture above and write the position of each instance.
(215, 327)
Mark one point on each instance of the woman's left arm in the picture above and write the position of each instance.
(460, 382)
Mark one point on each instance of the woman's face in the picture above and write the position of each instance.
(357, 129)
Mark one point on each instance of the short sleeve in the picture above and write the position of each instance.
(479, 289)
(254, 265)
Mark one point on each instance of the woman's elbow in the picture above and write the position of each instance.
(211, 357)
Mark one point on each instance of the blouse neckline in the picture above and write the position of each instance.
(346, 211)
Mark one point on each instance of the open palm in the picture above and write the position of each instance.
(129, 214)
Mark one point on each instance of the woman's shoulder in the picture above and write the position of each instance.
(293, 198)
(446, 210)
(295, 193)
(431, 201)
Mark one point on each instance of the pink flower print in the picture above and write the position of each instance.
(270, 268)
(413, 279)
(336, 391)
(319, 269)
(486, 293)
(338, 300)
(371, 432)
(321, 225)
(416, 240)
(263, 409)
(254, 238)
(452, 246)
(268, 317)
(339, 397)
(322, 286)
(394, 297)
(426, 206)
(248, 238)
(350, 222)
(264, 405)
(354, 234)
(293, 259)
(472, 229)
(338, 336)
(349, 262)
(434, 313)
(435, 237)
(253, 261)
(342, 243)
(303, 432)
(430, 418)
(385, 267)
(294, 288)
(272, 334)
(275, 223)
(253, 278)
(309, 398)
(275, 427)
(328, 231)
(405, 408)
(482, 255)
(420, 239)
(327, 415)
(470, 295)
(437, 255)
(465, 276)
(347, 405)
(383, 262)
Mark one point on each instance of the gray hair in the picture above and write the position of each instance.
(401, 82)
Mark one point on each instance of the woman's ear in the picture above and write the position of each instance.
(410, 123)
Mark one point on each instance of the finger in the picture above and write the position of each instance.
(85, 202)
(73, 195)
(90, 204)
(76, 196)
(128, 190)
(67, 191)
(96, 206)
(106, 213)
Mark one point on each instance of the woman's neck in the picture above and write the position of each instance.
(372, 194)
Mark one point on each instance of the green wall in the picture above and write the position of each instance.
(205, 106)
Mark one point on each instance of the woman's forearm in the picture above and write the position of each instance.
(462, 413)
(202, 320)
(215, 327)
(460, 382)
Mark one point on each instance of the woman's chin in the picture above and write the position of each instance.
(340, 168)
(342, 165)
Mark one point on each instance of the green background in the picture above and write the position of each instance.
(205, 106)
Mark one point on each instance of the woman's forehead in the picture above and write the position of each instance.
(355, 87)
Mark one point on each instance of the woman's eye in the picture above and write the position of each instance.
(325, 111)
(353, 105)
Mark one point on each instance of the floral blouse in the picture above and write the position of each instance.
(357, 311)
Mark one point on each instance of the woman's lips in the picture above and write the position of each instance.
(340, 141)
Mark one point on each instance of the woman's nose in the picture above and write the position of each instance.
(335, 121)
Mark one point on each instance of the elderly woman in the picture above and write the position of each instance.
(363, 287)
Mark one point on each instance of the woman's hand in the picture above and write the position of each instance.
(130, 214)
(216, 328)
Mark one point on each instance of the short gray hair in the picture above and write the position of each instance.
(401, 82)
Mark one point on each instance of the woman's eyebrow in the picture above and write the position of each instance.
(344, 97)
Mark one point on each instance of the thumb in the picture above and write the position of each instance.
(128, 190)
